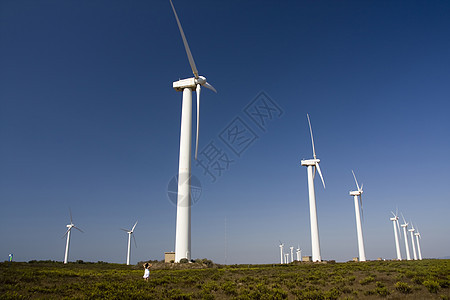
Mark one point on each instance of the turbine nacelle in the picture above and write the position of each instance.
(181, 84)
(310, 162)
(356, 193)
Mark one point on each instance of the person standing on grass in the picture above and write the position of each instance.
(146, 271)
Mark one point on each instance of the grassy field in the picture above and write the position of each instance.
(427, 279)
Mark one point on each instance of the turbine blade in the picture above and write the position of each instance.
(320, 174)
(70, 212)
(78, 229)
(356, 181)
(208, 86)
(132, 229)
(65, 233)
(393, 213)
(134, 239)
(312, 138)
(186, 46)
(126, 230)
(398, 227)
(404, 221)
(361, 207)
(198, 117)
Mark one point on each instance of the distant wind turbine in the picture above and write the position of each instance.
(396, 226)
(412, 241)
(312, 166)
(281, 251)
(130, 233)
(356, 194)
(292, 253)
(404, 226)
(69, 229)
(183, 224)
(299, 254)
(286, 258)
(418, 236)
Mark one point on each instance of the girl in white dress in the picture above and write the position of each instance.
(146, 271)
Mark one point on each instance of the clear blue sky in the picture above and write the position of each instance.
(89, 120)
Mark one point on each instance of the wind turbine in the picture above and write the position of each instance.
(412, 241)
(281, 251)
(286, 258)
(404, 226)
(313, 164)
(299, 254)
(292, 253)
(69, 229)
(183, 225)
(356, 194)
(396, 226)
(130, 233)
(418, 236)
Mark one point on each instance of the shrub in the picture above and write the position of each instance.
(184, 261)
(403, 287)
(332, 294)
(367, 280)
(229, 288)
(417, 280)
(443, 283)
(382, 291)
(431, 285)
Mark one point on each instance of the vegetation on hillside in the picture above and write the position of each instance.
(427, 279)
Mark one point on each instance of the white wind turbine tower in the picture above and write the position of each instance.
(281, 251)
(299, 254)
(404, 226)
(183, 225)
(356, 194)
(396, 226)
(286, 258)
(130, 233)
(418, 236)
(292, 253)
(69, 229)
(412, 241)
(313, 164)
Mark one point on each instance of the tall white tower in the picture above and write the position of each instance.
(357, 196)
(396, 226)
(412, 241)
(313, 166)
(281, 252)
(404, 226)
(183, 225)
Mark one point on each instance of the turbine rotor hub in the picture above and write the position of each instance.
(200, 80)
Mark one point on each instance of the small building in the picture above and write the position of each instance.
(306, 258)
(380, 259)
(355, 259)
(169, 257)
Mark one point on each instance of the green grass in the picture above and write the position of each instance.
(427, 279)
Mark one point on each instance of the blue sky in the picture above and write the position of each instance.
(89, 120)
